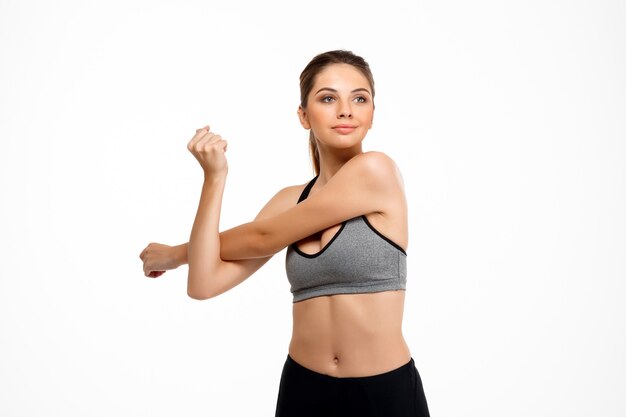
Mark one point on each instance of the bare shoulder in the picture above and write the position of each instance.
(283, 200)
(377, 168)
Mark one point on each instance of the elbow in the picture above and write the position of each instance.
(199, 295)
(198, 292)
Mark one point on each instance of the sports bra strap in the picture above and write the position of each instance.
(307, 189)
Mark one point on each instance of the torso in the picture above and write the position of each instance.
(352, 335)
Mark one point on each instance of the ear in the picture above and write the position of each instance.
(304, 120)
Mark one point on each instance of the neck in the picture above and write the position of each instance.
(333, 159)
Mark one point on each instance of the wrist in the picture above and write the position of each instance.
(180, 254)
(215, 177)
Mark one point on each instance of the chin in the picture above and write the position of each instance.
(337, 141)
(346, 145)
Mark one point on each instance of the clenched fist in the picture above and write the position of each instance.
(158, 258)
(209, 148)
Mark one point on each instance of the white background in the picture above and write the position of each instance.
(507, 120)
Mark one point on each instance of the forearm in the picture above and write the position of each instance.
(180, 254)
(229, 250)
(203, 249)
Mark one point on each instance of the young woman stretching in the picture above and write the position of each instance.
(346, 235)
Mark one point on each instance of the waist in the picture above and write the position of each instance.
(350, 335)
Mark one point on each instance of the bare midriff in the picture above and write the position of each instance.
(350, 335)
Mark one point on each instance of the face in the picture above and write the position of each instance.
(340, 108)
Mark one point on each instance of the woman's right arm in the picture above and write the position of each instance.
(209, 275)
(158, 257)
(229, 274)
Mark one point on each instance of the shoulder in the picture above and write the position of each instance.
(289, 195)
(376, 168)
(378, 161)
(282, 200)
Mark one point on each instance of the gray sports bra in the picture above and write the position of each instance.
(358, 259)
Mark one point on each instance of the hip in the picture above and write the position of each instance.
(396, 393)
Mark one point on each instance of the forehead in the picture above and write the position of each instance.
(340, 76)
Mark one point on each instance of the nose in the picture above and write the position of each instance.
(344, 111)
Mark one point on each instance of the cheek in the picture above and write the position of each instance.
(320, 114)
(368, 115)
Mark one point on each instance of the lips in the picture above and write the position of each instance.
(344, 129)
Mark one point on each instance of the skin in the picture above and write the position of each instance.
(342, 335)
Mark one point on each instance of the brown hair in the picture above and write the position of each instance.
(307, 79)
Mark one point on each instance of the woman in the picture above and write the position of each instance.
(347, 267)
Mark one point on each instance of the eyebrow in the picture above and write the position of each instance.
(335, 91)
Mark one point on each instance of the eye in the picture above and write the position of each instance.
(327, 99)
(361, 99)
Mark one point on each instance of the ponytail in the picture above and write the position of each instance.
(315, 155)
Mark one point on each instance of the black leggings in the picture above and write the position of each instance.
(306, 393)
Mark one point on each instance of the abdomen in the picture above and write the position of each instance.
(350, 334)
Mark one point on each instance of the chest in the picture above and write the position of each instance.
(318, 241)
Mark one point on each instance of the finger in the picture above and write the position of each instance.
(202, 144)
(208, 138)
(214, 139)
(200, 133)
(207, 142)
(155, 274)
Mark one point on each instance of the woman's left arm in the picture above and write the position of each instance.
(364, 184)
